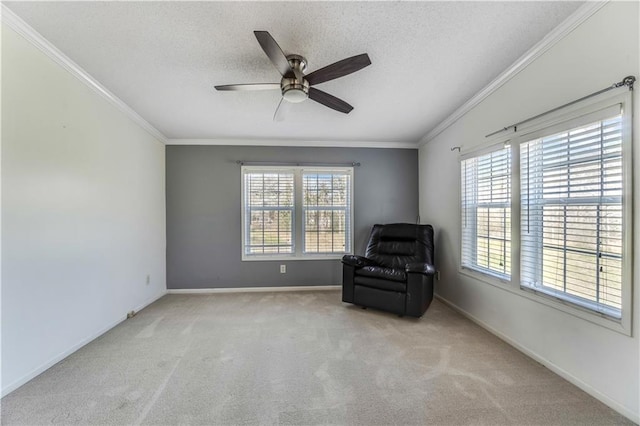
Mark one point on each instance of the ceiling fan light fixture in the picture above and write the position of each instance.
(294, 91)
(295, 95)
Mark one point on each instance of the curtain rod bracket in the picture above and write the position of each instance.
(455, 147)
(627, 81)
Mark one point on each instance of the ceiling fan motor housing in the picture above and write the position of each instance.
(293, 89)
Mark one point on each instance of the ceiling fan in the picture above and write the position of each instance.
(295, 85)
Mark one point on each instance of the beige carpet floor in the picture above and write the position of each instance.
(298, 358)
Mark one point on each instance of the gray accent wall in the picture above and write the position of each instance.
(204, 211)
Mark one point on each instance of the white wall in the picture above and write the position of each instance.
(601, 51)
(83, 213)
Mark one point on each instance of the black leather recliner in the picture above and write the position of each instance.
(396, 272)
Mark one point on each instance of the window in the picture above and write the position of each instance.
(486, 213)
(295, 212)
(562, 233)
(571, 234)
(269, 212)
(326, 204)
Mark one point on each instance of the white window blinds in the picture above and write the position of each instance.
(269, 211)
(571, 207)
(486, 212)
(327, 211)
(295, 212)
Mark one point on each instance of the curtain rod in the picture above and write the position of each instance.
(284, 163)
(627, 81)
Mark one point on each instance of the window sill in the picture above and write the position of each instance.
(292, 258)
(622, 326)
(488, 278)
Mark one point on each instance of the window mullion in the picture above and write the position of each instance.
(515, 212)
(473, 226)
(598, 213)
(278, 216)
(564, 249)
(332, 217)
(297, 220)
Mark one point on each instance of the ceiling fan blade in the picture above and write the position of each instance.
(339, 69)
(273, 51)
(329, 100)
(282, 111)
(247, 87)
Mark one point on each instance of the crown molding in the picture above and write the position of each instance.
(294, 143)
(28, 33)
(561, 31)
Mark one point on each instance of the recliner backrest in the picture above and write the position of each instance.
(394, 245)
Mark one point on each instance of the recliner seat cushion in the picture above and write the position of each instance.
(382, 273)
(390, 301)
(394, 286)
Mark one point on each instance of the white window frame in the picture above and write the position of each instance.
(559, 120)
(298, 214)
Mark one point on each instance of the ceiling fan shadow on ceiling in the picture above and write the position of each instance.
(295, 85)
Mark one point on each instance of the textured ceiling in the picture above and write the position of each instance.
(163, 59)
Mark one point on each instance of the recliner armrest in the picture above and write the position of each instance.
(421, 268)
(357, 261)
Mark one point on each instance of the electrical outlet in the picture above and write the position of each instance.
(148, 279)
(437, 275)
(283, 269)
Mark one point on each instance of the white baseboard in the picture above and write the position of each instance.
(251, 289)
(48, 364)
(149, 301)
(634, 417)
